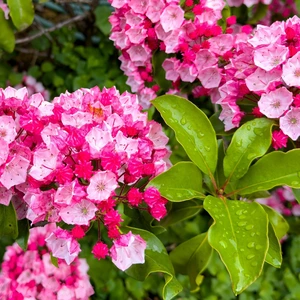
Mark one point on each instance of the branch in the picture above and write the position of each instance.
(57, 26)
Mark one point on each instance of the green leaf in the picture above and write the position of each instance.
(21, 12)
(156, 260)
(7, 37)
(102, 13)
(240, 235)
(180, 212)
(180, 183)
(274, 169)
(260, 12)
(192, 129)
(296, 193)
(219, 174)
(274, 255)
(23, 228)
(250, 141)
(191, 258)
(278, 222)
(8, 221)
(54, 260)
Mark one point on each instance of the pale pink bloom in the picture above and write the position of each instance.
(265, 35)
(205, 59)
(171, 65)
(230, 115)
(63, 245)
(136, 35)
(118, 3)
(214, 4)
(97, 139)
(154, 10)
(120, 39)
(172, 41)
(102, 184)
(80, 213)
(15, 172)
(64, 194)
(139, 6)
(296, 210)
(138, 53)
(275, 103)
(172, 17)
(210, 77)
(133, 19)
(288, 194)
(271, 56)
(7, 128)
(290, 123)
(235, 3)
(124, 144)
(44, 108)
(44, 162)
(157, 136)
(221, 43)
(291, 71)
(127, 250)
(145, 96)
(77, 119)
(260, 80)
(19, 94)
(66, 293)
(187, 72)
(4, 150)
(5, 196)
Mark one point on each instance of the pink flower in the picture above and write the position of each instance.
(63, 245)
(172, 17)
(291, 71)
(127, 250)
(7, 128)
(279, 139)
(275, 103)
(80, 213)
(100, 250)
(102, 184)
(290, 123)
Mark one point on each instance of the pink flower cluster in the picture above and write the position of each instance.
(282, 200)
(75, 159)
(5, 9)
(142, 29)
(265, 71)
(30, 274)
(33, 87)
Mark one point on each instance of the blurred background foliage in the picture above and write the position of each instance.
(66, 48)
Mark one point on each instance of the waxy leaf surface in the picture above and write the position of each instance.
(7, 36)
(181, 182)
(8, 221)
(192, 129)
(274, 169)
(21, 12)
(250, 141)
(274, 255)
(240, 235)
(191, 258)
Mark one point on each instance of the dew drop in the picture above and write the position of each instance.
(253, 123)
(242, 217)
(251, 156)
(254, 264)
(258, 247)
(295, 182)
(252, 234)
(249, 227)
(223, 244)
(248, 127)
(251, 245)
(257, 233)
(200, 134)
(183, 121)
(242, 223)
(239, 212)
(242, 249)
(207, 148)
(239, 143)
(250, 256)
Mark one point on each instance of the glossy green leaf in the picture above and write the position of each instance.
(278, 222)
(250, 141)
(240, 235)
(274, 169)
(180, 212)
(23, 228)
(219, 174)
(192, 128)
(191, 258)
(296, 193)
(274, 255)
(7, 37)
(8, 221)
(260, 12)
(181, 182)
(156, 260)
(102, 13)
(21, 12)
